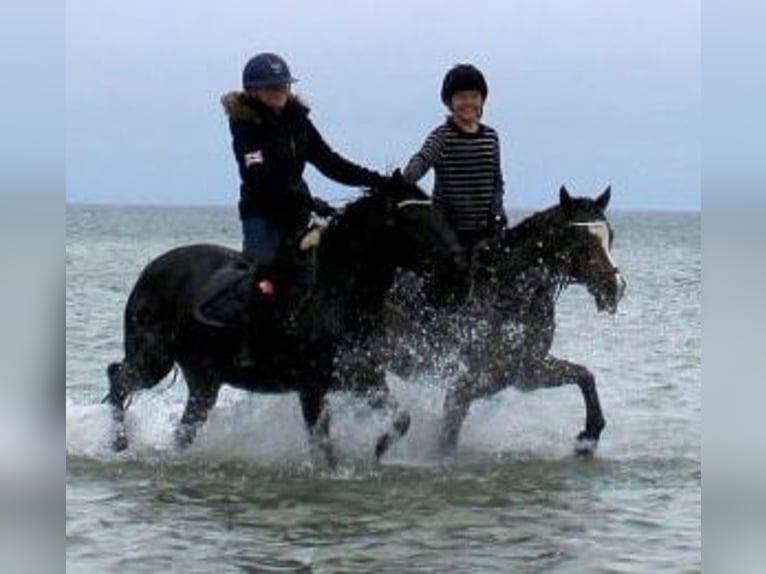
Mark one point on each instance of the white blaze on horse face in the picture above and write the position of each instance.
(601, 230)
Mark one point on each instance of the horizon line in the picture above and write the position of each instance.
(649, 209)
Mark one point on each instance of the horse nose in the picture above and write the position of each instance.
(622, 285)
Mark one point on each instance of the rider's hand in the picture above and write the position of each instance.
(500, 222)
(499, 226)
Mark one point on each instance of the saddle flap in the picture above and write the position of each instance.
(228, 295)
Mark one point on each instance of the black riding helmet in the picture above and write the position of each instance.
(266, 69)
(463, 77)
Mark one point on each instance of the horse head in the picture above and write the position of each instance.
(413, 230)
(392, 227)
(587, 238)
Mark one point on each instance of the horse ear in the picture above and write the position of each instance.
(603, 200)
(564, 197)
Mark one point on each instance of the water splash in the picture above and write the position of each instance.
(268, 430)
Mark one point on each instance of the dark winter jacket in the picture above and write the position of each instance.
(272, 150)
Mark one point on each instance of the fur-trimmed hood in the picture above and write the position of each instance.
(238, 105)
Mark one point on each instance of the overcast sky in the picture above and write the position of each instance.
(584, 93)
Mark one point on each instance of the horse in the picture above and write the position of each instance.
(503, 328)
(312, 350)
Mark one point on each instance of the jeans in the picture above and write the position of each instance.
(262, 240)
(265, 243)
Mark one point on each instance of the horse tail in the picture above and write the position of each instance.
(149, 336)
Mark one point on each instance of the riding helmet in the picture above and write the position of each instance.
(266, 69)
(463, 77)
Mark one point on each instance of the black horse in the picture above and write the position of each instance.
(503, 328)
(322, 344)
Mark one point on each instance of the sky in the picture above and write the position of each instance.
(584, 94)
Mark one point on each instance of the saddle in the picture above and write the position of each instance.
(229, 296)
(241, 292)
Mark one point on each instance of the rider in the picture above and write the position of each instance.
(465, 156)
(273, 138)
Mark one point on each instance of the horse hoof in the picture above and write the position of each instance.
(586, 446)
(183, 438)
(402, 423)
(120, 442)
(384, 442)
(400, 426)
(446, 449)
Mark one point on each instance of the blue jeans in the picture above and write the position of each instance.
(262, 239)
(263, 243)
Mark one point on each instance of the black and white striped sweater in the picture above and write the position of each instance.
(468, 182)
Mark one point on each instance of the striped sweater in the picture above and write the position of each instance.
(468, 182)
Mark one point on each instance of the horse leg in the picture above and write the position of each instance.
(138, 371)
(496, 367)
(400, 421)
(123, 378)
(316, 415)
(587, 439)
(379, 397)
(553, 372)
(367, 379)
(456, 404)
(203, 392)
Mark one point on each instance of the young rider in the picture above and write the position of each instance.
(465, 156)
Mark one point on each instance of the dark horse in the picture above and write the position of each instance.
(318, 347)
(503, 329)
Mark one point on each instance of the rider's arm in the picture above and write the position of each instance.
(335, 166)
(425, 158)
(499, 210)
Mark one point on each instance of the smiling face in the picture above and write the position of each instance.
(466, 107)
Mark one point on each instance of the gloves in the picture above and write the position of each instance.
(500, 222)
(497, 228)
(322, 208)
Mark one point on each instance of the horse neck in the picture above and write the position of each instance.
(353, 269)
(531, 253)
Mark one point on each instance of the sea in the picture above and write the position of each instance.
(249, 496)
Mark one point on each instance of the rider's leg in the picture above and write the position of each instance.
(262, 242)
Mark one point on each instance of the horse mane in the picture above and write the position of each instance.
(350, 277)
(533, 225)
(354, 219)
(550, 220)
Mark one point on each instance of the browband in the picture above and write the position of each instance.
(411, 202)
